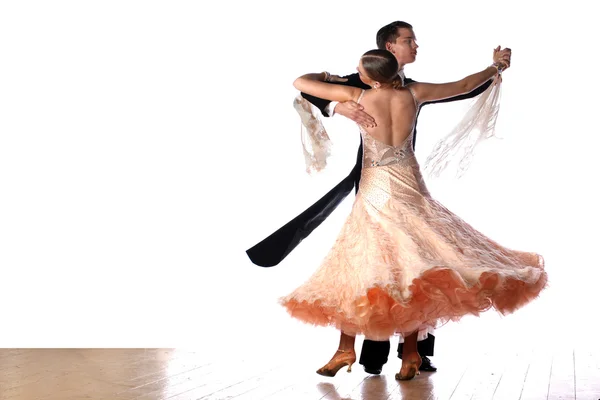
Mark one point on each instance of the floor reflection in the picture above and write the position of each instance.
(416, 387)
(375, 387)
(372, 388)
(329, 390)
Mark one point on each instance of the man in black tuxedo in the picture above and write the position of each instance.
(397, 37)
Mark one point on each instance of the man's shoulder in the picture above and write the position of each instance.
(353, 76)
(354, 80)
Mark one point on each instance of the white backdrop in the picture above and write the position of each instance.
(144, 146)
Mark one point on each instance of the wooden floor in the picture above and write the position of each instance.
(114, 374)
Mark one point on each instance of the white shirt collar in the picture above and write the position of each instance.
(402, 76)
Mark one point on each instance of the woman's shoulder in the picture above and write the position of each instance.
(402, 92)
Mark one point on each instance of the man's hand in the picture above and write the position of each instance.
(335, 79)
(354, 111)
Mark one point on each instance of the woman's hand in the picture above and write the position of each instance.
(502, 57)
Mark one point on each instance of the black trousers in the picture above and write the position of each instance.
(375, 354)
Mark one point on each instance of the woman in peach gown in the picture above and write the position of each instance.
(402, 262)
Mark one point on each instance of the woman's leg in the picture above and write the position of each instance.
(345, 355)
(411, 360)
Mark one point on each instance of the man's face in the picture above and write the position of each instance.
(405, 47)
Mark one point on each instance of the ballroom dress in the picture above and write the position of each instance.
(404, 263)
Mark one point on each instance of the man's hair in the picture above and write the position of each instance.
(389, 33)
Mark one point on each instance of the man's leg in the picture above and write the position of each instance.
(425, 349)
(374, 355)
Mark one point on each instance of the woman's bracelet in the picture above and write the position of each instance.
(498, 66)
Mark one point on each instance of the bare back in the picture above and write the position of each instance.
(394, 110)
